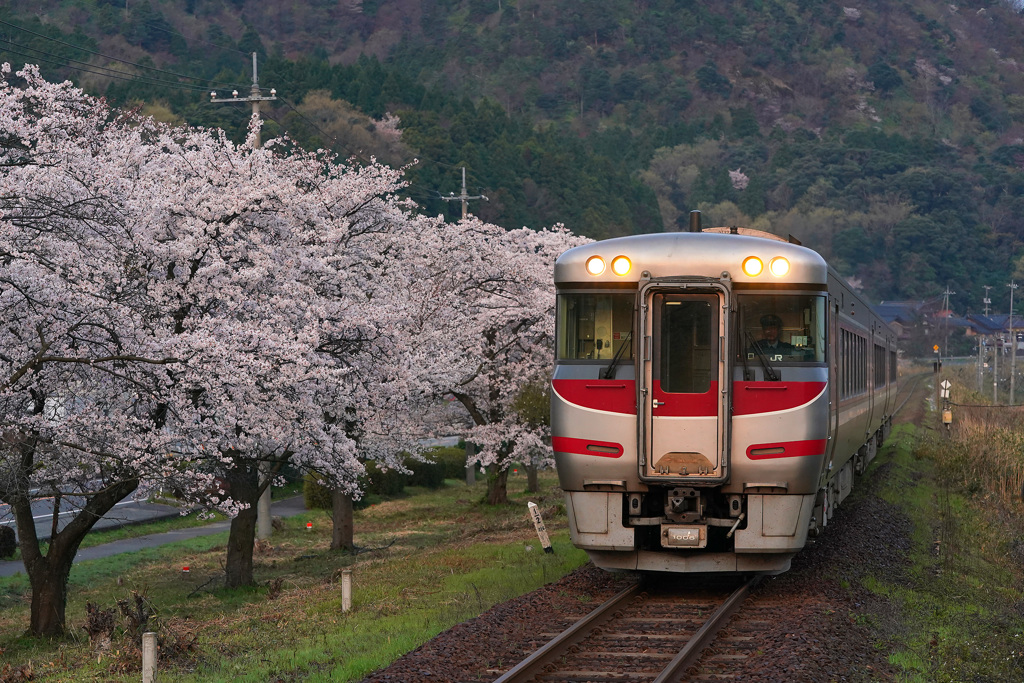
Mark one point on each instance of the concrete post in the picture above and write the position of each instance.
(264, 523)
(470, 468)
(149, 657)
(346, 590)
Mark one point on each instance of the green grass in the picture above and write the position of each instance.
(959, 608)
(428, 561)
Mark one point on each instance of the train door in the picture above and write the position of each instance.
(834, 377)
(684, 425)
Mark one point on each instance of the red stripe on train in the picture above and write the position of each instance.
(751, 398)
(786, 449)
(604, 449)
(610, 395)
(748, 398)
(686, 405)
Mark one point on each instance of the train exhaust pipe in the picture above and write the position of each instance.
(695, 221)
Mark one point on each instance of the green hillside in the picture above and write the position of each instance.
(887, 135)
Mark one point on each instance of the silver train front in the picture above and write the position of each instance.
(685, 440)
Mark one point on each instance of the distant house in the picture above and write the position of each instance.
(901, 316)
(998, 326)
(985, 325)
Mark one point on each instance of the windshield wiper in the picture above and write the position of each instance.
(609, 372)
(769, 371)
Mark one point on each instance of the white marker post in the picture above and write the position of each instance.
(346, 590)
(539, 524)
(149, 657)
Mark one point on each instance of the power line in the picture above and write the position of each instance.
(105, 56)
(111, 73)
(57, 60)
(195, 40)
(35, 59)
(323, 132)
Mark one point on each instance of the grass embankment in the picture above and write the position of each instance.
(429, 560)
(960, 601)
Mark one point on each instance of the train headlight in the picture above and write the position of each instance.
(595, 265)
(621, 265)
(779, 266)
(752, 266)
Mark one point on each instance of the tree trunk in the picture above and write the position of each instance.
(244, 481)
(49, 597)
(532, 484)
(48, 574)
(342, 537)
(497, 485)
(241, 539)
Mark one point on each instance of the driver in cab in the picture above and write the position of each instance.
(770, 344)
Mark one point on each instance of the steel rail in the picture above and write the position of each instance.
(911, 388)
(692, 651)
(535, 663)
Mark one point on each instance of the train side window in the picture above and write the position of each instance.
(800, 321)
(595, 326)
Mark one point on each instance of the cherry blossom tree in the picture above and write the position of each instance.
(179, 310)
(275, 259)
(82, 377)
(481, 329)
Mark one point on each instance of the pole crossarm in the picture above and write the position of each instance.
(255, 98)
(464, 197)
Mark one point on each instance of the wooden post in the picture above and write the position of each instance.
(538, 523)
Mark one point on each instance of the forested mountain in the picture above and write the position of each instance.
(887, 135)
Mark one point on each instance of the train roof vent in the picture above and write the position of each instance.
(750, 232)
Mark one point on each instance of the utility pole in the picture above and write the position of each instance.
(254, 97)
(463, 197)
(264, 523)
(1013, 342)
(981, 361)
(995, 370)
(945, 320)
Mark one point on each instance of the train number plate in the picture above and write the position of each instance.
(684, 536)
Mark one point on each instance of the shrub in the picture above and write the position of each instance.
(452, 458)
(384, 483)
(316, 494)
(428, 474)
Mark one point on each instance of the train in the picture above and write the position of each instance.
(716, 392)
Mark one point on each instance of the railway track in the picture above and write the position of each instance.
(647, 632)
(653, 633)
(907, 389)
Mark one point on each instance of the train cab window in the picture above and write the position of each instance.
(686, 356)
(785, 328)
(595, 326)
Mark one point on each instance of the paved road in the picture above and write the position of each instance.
(289, 507)
(124, 513)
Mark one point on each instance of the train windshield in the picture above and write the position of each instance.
(595, 326)
(783, 328)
